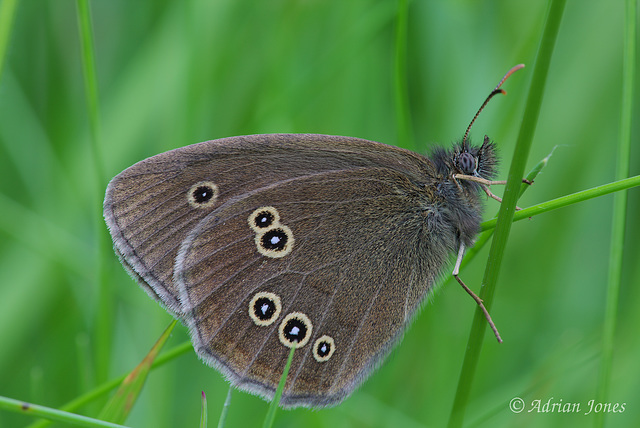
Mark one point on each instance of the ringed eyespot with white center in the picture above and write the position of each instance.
(263, 218)
(275, 242)
(323, 348)
(265, 308)
(203, 194)
(295, 330)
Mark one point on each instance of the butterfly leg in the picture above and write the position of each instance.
(456, 270)
(496, 197)
(484, 183)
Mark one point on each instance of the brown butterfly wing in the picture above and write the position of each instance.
(149, 215)
(357, 269)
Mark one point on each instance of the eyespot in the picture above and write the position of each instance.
(467, 163)
(203, 194)
(263, 218)
(295, 330)
(265, 308)
(323, 348)
(275, 242)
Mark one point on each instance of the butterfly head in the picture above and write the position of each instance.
(475, 161)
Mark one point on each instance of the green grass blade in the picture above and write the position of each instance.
(120, 405)
(571, 199)
(203, 411)
(533, 174)
(619, 207)
(7, 13)
(90, 79)
(104, 316)
(69, 419)
(271, 414)
(403, 111)
(507, 209)
(225, 409)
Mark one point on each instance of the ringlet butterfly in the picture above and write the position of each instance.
(328, 244)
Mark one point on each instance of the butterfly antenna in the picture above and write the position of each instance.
(495, 91)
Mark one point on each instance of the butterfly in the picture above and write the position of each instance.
(324, 243)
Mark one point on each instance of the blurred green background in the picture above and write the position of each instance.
(176, 73)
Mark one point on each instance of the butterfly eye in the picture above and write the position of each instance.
(265, 308)
(467, 163)
(263, 218)
(295, 330)
(203, 194)
(323, 348)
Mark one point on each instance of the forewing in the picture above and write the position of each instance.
(147, 206)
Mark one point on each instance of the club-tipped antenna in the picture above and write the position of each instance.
(495, 91)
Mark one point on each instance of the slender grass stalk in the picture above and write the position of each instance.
(52, 414)
(85, 28)
(121, 403)
(403, 111)
(225, 409)
(7, 13)
(567, 200)
(619, 207)
(271, 414)
(203, 411)
(507, 209)
(103, 323)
